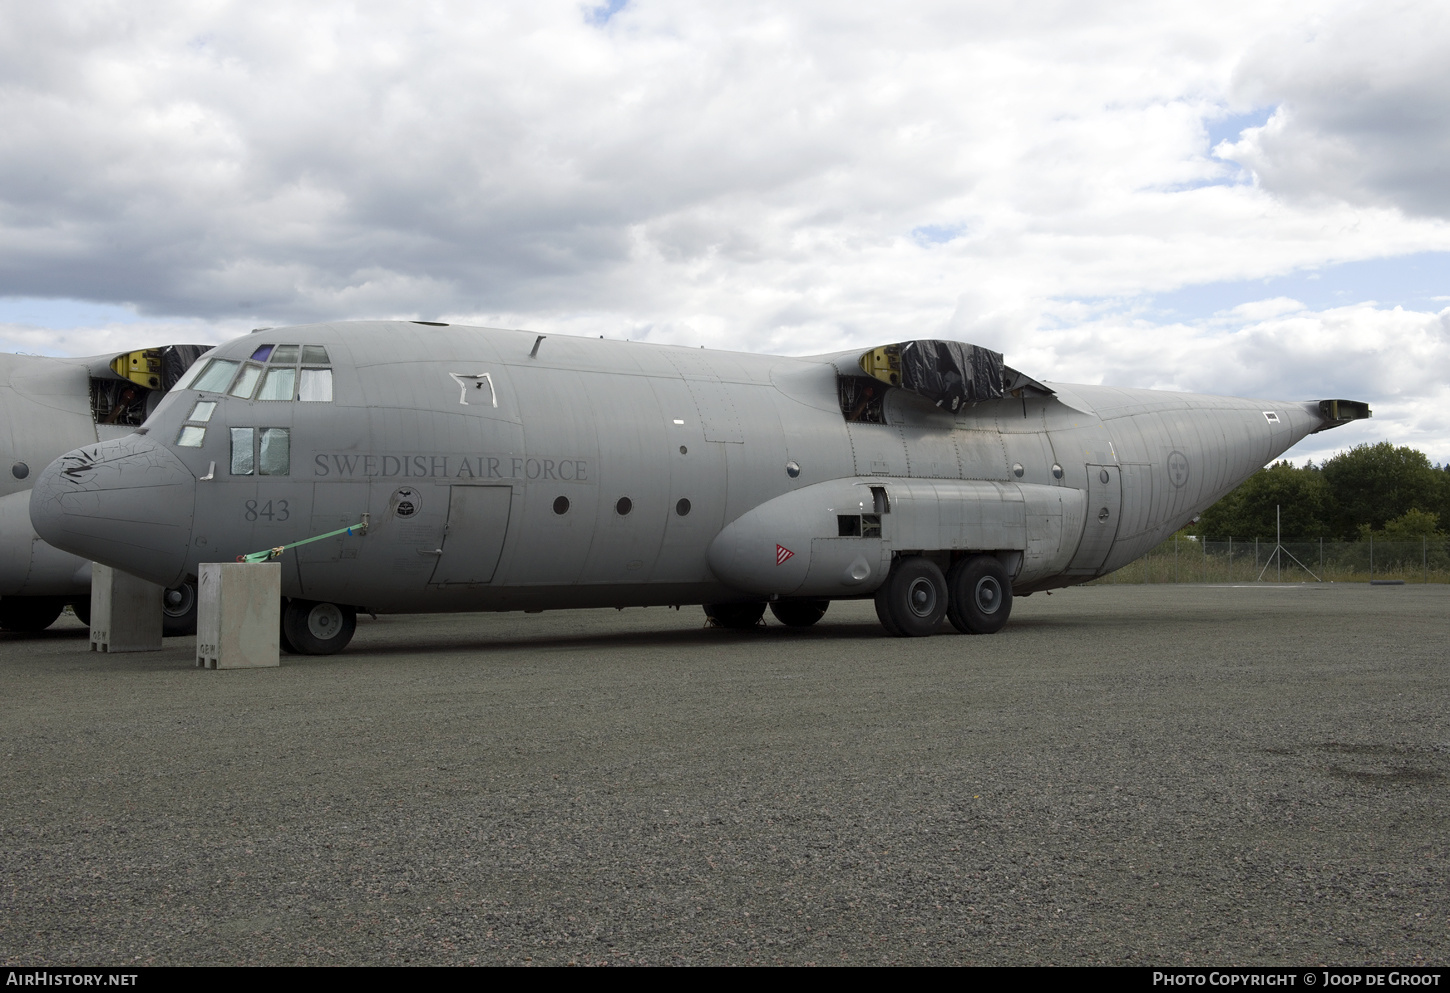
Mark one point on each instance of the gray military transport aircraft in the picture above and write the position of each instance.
(507, 470)
(47, 407)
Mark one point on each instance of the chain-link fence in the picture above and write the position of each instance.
(1196, 560)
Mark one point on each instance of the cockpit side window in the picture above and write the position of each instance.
(193, 433)
(216, 377)
(242, 460)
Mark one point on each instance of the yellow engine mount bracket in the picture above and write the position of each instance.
(142, 368)
(883, 363)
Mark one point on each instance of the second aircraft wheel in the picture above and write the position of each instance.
(313, 628)
(178, 610)
(981, 595)
(913, 599)
(799, 613)
(737, 616)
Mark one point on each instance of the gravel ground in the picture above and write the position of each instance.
(1125, 775)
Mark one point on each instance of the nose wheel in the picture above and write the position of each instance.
(310, 627)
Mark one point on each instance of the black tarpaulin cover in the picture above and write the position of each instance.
(175, 360)
(950, 373)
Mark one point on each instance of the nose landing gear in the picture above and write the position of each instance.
(310, 627)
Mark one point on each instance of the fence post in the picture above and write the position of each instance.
(1425, 557)
(1371, 556)
(1175, 557)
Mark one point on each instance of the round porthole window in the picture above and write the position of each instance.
(684, 450)
(20, 470)
(1056, 471)
(561, 505)
(624, 506)
(1103, 475)
(792, 469)
(683, 507)
(1017, 469)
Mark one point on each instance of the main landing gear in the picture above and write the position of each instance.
(975, 595)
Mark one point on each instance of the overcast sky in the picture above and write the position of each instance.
(1245, 198)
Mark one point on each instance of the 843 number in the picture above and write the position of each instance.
(272, 510)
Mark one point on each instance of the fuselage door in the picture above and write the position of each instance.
(478, 518)
(1104, 507)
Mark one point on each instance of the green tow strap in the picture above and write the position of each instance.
(276, 553)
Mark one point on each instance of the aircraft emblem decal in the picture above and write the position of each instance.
(781, 554)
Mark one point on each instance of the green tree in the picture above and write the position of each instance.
(1372, 484)
(1299, 495)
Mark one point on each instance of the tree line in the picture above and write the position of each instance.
(1382, 491)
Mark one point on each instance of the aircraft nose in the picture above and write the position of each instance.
(126, 503)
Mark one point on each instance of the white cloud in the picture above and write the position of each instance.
(799, 178)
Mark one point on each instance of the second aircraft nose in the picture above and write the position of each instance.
(126, 503)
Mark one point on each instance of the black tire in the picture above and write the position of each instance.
(736, 616)
(178, 610)
(82, 610)
(283, 645)
(29, 613)
(979, 595)
(883, 613)
(799, 613)
(318, 628)
(914, 597)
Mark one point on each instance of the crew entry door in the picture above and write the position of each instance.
(478, 518)
(1104, 507)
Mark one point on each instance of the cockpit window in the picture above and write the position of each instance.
(194, 433)
(315, 385)
(246, 381)
(273, 373)
(279, 384)
(271, 456)
(242, 451)
(276, 452)
(216, 376)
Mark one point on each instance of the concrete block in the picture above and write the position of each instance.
(239, 608)
(125, 612)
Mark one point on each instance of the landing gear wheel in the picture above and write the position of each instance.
(736, 616)
(799, 613)
(178, 610)
(913, 599)
(283, 645)
(980, 598)
(314, 628)
(29, 613)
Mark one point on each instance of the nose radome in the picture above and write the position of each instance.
(126, 503)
